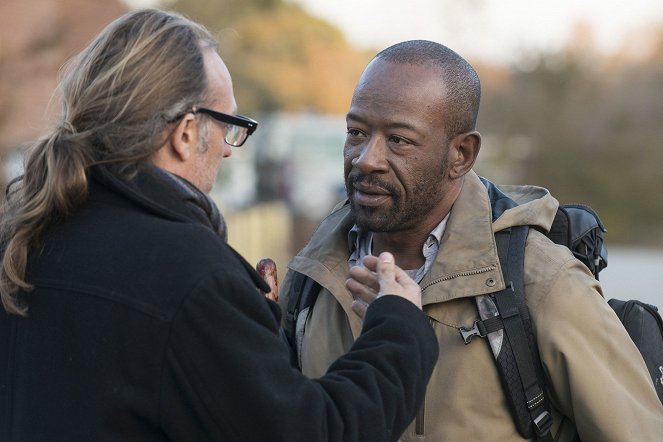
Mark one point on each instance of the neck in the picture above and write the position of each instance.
(405, 246)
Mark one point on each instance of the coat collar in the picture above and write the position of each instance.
(145, 189)
(467, 262)
(157, 194)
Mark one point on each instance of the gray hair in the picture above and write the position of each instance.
(118, 95)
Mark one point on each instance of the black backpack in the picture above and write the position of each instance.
(575, 226)
(579, 228)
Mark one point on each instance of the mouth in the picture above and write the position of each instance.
(369, 196)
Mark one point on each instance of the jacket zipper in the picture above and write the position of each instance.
(457, 275)
(420, 420)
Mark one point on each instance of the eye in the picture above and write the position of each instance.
(355, 137)
(352, 132)
(395, 139)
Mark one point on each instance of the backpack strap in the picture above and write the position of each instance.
(300, 304)
(515, 350)
(524, 386)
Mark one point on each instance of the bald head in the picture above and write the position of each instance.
(457, 78)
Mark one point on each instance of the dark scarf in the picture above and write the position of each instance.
(167, 193)
(173, 197)
(200, 205)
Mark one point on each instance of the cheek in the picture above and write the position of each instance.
(348, 156)
(415, 174)
(348, 153)
(216, 162)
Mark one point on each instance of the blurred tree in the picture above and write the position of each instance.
(36, 38)
(584, 125)
(281, 58)
(593, 132)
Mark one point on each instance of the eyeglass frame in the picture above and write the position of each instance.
(236, 120)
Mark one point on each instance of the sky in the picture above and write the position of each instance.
(489, 30)
(495, 31)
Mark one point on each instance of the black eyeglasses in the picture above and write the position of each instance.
(238, 127)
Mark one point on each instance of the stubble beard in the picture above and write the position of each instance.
(373, 219)
(397, 215)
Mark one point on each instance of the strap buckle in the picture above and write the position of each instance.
(542, 423)
(468, 333)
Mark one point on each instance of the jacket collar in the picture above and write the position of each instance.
(159, 193)
(467, 262)
(164, 194)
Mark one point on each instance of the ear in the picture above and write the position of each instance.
(184, 139)
(177, 146)
(463, 152)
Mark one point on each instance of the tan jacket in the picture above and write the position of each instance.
(596, 376)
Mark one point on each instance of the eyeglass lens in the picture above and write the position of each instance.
(236, 135)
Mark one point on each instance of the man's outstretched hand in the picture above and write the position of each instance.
(380, 276)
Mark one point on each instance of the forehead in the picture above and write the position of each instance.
(219, 82)
(400, 87)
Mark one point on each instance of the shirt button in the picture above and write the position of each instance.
(490, 282)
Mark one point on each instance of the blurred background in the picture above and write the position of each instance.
(572, 101)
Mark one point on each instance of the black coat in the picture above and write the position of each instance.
(145, 325)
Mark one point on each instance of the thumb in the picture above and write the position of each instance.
(395, 281)
(386, 272)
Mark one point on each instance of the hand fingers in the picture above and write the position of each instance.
(370, 262)
(361, 291)
(359, 307)
(380, 276)
(364, 276)
(267, 269)
(363, 285)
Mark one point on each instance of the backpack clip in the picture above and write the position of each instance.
(542, 423)
(477, 329)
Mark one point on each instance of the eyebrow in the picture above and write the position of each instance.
(391, 125)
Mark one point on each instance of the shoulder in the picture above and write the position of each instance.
(555, 281)
(136, 258)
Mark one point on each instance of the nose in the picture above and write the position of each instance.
(371, 156)
(227, 150)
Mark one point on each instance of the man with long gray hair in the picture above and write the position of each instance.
(126, 314)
